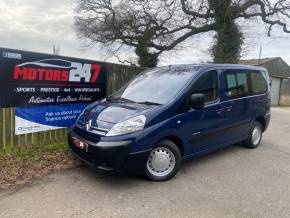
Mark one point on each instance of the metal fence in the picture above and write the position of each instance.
(117, 75)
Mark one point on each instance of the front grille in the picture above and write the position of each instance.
(93, 137)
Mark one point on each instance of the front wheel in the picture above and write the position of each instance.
(163, 161)
(255, 136)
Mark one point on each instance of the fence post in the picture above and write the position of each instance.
(3, 130)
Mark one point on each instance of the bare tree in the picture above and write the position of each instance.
(151, 27)
(226, 13)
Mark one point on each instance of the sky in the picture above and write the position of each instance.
(37, 25)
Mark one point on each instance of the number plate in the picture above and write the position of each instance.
(81, 145)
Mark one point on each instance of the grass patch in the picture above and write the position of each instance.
(42, 150)
(22, 166)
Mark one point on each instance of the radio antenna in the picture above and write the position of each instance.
(260, 53)
(55, 50)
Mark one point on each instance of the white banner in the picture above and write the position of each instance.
(23, 126)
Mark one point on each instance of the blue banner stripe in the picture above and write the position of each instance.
(51, 115)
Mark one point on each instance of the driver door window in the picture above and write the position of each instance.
(207, 84)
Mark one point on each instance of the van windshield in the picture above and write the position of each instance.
(157, 85)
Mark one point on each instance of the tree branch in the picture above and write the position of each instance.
(208, 14)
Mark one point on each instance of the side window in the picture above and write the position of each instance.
(207, 84)
(258, 82)
(243, 88)
(236, 83)
(232, 90)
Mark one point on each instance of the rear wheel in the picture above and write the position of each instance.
(163, 161)
(255, 136)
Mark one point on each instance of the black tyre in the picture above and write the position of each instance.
(163, 161)
(255, 136)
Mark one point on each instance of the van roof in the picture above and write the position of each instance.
(225, 66)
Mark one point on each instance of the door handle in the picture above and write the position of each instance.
(220, 110)
(228, 108)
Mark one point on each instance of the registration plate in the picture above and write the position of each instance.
(81, 145)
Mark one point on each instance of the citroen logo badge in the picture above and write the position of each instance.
(89, 124)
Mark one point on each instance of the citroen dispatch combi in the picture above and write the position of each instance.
(166, 115)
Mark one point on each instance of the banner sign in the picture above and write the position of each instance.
(48, 91)
(32, 79)
(43, 118)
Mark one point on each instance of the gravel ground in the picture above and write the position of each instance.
(233, 182)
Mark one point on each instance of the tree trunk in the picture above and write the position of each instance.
(227, 47)
(228, 39)
(146, 59)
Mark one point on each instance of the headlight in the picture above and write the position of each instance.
(132, 125)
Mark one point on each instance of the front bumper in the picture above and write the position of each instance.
(108, 156)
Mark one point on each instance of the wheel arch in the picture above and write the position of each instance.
(176, 140)
(261, 120)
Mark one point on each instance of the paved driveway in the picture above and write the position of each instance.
(234, 182)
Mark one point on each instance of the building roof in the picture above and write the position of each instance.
(257, 62)
(276, 66)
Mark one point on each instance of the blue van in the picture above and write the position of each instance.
(166, 115)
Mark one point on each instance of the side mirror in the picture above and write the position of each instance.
(197, 101)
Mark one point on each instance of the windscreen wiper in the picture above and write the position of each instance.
(121, 99)
(148, 103)
(125, 99)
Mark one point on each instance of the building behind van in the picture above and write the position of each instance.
(279, 72)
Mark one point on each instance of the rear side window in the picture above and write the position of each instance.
(258, 82)
(207, 84)
(236, 83)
